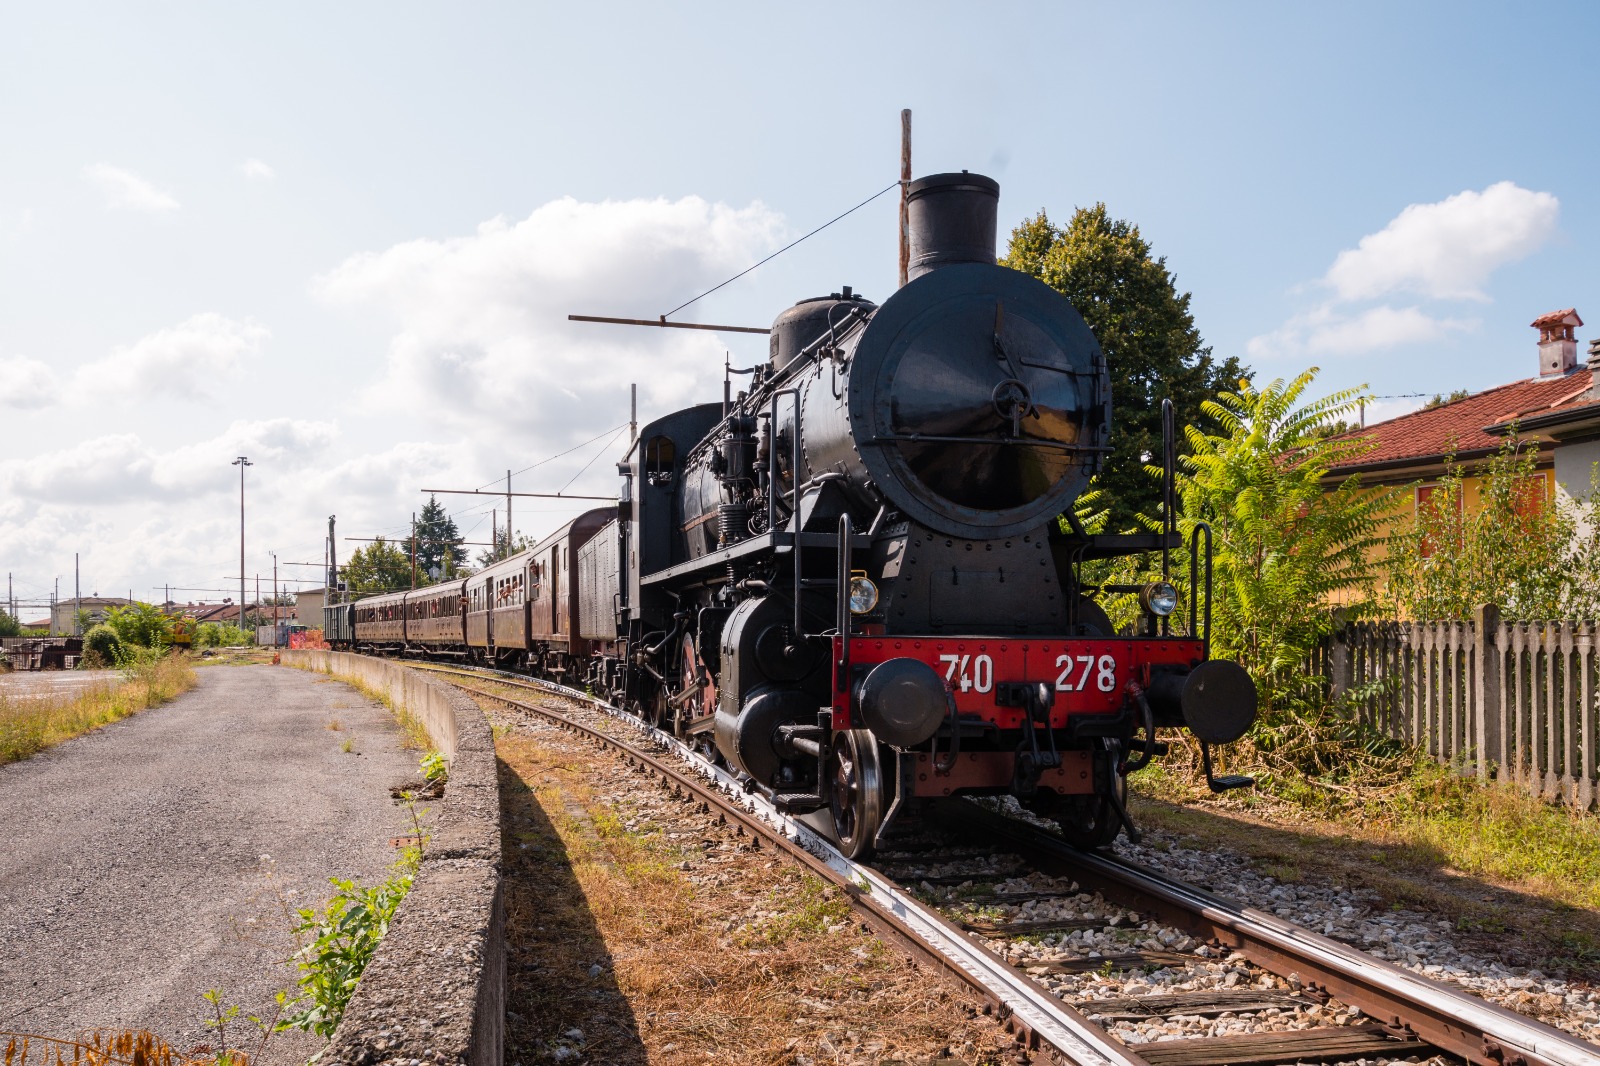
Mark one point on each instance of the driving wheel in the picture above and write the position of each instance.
(855, 791)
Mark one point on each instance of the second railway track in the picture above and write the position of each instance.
(1398, 1015)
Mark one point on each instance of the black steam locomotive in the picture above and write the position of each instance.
(854, 582)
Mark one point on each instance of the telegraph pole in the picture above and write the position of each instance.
(241, 463)
(509, 527)
(274, 598)
(414, 547)
(77, 595)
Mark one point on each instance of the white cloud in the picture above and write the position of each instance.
(256, 170)
(125, 189)
(141, 513)
(189, 359)
(1327, 330)
(1447, 250)
(27, 384)
(121, 467)
(481, 344)
(1444, 251)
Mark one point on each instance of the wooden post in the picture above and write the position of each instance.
(905, 208)
(1341, 656)
(413, 549)
(1489, 718)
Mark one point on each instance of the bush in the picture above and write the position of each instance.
(101, 646)
(217, 635)
(140, 624)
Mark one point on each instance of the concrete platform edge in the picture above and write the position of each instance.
(435, 990)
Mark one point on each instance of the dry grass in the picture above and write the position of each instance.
(663, 938)
(99, 1047)
(28, 727)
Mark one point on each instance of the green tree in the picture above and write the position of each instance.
(1105, 267)
(438, 542)
(142, 625)
(504, 546)
(379, 567)
(1286, 545)
(9, 626)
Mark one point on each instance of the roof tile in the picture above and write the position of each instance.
(1458, 428)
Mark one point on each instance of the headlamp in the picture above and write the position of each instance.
(863, 593)
(1159, 598)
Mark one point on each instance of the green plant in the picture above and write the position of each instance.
(224, 1013)
(101, 646)
(339, 941)
(1285, 545)
(348, 746)
(434, 769)
(9, 626)
(220, 635)
(141, 624)
(1511, 547)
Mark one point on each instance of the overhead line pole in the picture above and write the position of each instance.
(905, 204)
(241, 463)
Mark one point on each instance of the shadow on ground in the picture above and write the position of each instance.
(559, 986)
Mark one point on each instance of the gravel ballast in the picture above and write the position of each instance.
(152, 860)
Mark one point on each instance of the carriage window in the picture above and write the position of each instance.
(660, 456)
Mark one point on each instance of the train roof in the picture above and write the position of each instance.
(585, 524)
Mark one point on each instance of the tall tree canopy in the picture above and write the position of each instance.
(379, 567)
(438, 542)
(1128, 298)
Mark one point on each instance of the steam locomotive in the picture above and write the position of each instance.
(859, 582)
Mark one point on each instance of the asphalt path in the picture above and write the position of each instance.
(154, 859)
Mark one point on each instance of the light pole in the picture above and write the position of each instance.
(241, 463)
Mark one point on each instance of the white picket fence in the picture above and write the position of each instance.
(1511, 700)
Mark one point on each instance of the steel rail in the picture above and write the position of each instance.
(1448, 1018)
(1027, 1007)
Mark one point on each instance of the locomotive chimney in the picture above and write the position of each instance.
(952, 220)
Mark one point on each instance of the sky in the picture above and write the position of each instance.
(343, 239)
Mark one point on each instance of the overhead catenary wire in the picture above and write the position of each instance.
(590, 463)
(892, 185)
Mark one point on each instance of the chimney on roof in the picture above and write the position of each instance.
(1558, 348)
(1594, 368)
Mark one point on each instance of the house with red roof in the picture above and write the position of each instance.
(1557, 412)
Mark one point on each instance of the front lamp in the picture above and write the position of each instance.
(863, 593)
(1159, 598)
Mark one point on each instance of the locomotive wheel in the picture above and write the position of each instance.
(1090, 822)
(855, 791)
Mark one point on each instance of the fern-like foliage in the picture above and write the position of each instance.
(1287, 545)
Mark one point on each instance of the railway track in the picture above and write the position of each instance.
(1399, 1015)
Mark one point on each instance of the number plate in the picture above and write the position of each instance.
(1088, 676)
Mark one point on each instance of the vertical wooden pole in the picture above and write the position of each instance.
(905, 183)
